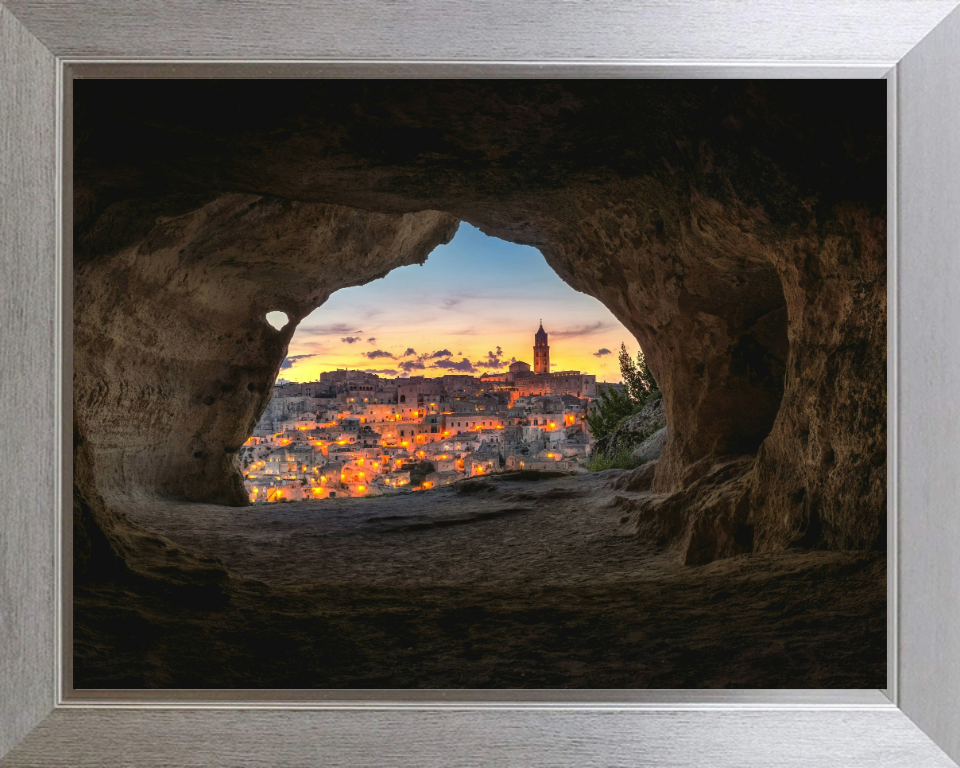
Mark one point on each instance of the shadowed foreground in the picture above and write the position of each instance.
(518, 581)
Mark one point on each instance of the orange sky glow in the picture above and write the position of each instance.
(473, 307)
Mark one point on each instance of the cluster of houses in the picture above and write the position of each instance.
(353, 433)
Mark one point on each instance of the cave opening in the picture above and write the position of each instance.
(358, 410)
(354, 396)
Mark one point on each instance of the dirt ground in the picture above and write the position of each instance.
(503, 582)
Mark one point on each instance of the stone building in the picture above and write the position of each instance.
(541, 352)
(417, 391)
(367, 434)
(581, 385)
(453, 382)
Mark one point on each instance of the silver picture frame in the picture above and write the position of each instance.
(913, 44)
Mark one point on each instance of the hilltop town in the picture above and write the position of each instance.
(353, 433)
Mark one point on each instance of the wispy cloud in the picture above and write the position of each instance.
(450, 303)
(332, 329)
(581, 330)
(371, 340)
(288, 362)
(378, 353)
(410, 351)
(306, 345)
(602, 352)
(350, 339)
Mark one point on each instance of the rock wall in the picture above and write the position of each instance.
(651, 448)
(737, 229)
(173, 358)
(820, 477)
(634, 430)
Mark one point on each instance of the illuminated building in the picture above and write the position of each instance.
(541, 352)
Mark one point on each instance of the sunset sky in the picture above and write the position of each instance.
(473, 307)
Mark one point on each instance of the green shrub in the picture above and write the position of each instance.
(419, 473)
(620, 460)
(614, 407)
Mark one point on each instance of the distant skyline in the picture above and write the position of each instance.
(473, 307)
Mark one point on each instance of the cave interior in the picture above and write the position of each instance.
(736, 228)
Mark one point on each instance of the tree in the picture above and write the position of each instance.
(419, 473)
(612, 408)
(615, 405)
(637, 377)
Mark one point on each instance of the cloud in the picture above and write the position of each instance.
(493, 359)
(350, 339)
(378, 353)
(464, 366)
(330, 330)
(450, 303)
(288, 362)
(371, 340)
(384, 371)
(582, 330)
(602, 352)
(420, 361)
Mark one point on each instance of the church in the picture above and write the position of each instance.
(541, 352)
(541, 381)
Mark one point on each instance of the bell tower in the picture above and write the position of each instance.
(541, 352)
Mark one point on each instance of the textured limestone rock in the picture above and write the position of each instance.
(638, 480)
(650, 418)
(634, 430)
(173, 357)
(524, 579)
(108, 546)
(736, 228)
(707, 520)
(651, 448)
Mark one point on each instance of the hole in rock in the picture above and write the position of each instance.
(438, 373)
(278, 320)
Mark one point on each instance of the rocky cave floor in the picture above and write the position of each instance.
(512, 581)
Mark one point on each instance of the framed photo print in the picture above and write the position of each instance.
(474, 385)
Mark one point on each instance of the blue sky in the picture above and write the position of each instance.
(471, 297)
